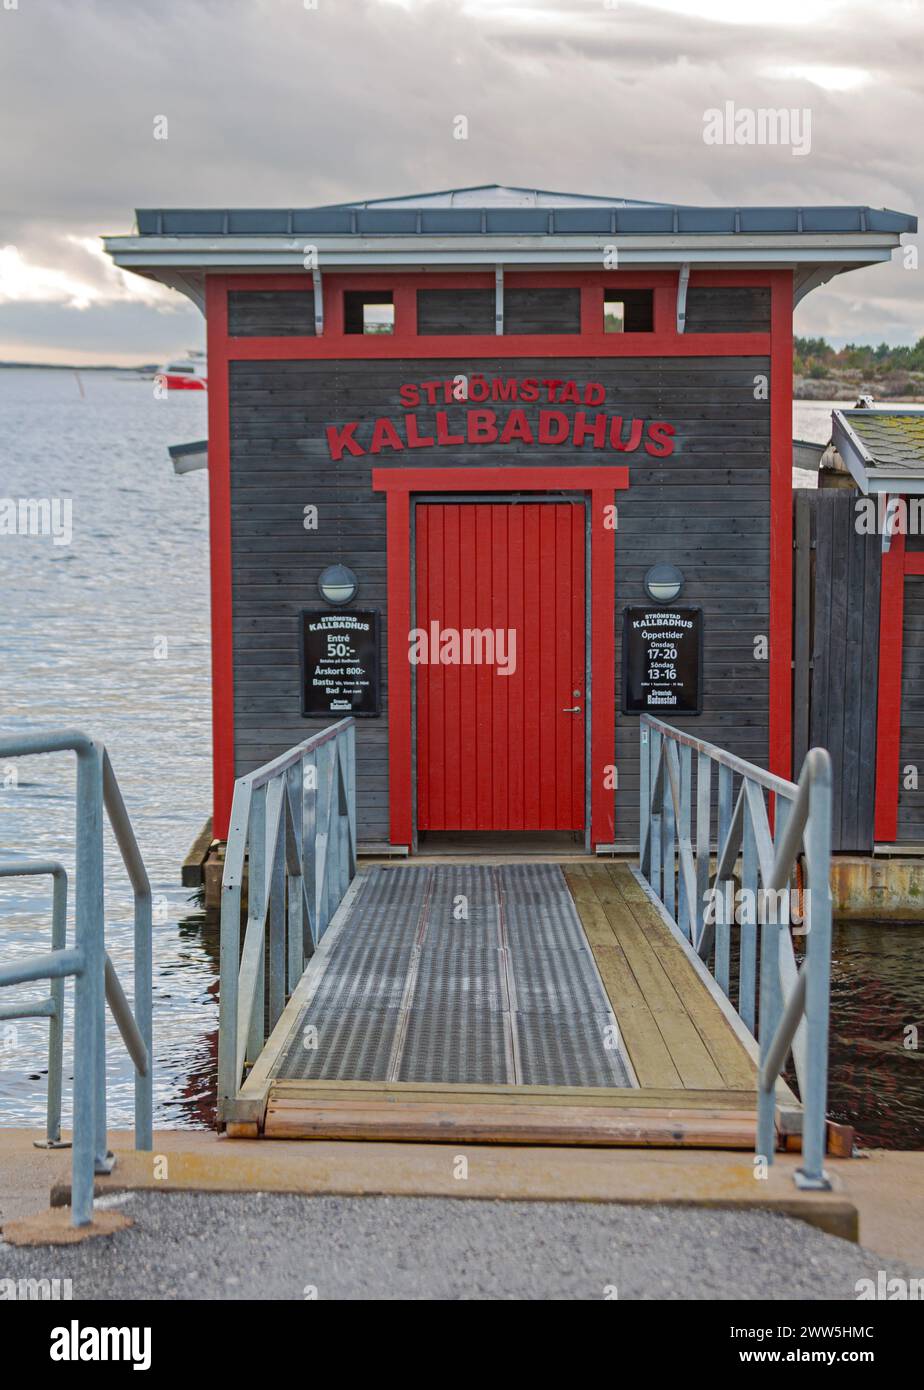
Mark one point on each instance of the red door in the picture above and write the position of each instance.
(499, 660)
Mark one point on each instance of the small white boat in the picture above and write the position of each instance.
(189, 373)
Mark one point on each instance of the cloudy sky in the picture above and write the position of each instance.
(303, 102)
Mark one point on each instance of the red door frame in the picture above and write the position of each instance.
(601, 484)
(897, 563)
(407, 345)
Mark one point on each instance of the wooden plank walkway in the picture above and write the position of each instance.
(695, 1081)
(671, 1026)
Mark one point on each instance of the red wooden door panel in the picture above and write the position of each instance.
(500, 751)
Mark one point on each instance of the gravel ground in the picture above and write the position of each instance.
(267, 1246)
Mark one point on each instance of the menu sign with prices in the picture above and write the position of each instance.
(662, 661)
(340, 662)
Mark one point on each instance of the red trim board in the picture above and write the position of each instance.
(220, 548)
(896, 563)
(780, 749)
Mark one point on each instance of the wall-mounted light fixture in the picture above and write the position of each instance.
(663, 583)
(338, 585)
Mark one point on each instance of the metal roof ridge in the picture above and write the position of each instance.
(706, 214)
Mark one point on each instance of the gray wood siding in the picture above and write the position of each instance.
(542, 311)
(911, 745)
(845, 661)
(736, 309)
(455, 311)
(271, 313)
(706, 508)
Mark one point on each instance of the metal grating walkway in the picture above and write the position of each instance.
(468, 974)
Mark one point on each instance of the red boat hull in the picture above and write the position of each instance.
(184, 383)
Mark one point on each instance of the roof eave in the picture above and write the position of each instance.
(852, 450)
(151, 254)
(871, 477)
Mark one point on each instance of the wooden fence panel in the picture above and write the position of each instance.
(836, 596)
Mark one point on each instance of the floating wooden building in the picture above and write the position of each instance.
(555, 428)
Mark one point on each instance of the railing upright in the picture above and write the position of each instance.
(786, 1004)
(53, 1006)
(293, 821)
(96, 981)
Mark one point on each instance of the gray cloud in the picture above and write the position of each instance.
(269, 103)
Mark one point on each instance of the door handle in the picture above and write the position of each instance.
(572, 709)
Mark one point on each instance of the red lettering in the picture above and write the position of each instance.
(384, 434)
(597, 430)
(551, 386)
(482, 426)
(594, 393)
(517, 427)
(416, 440)
(529, 389)
(409, 396)
(430, 388)
(660, 441)
(546, 420)
(569, 394)
(340, 439)
(442, 430)
(502, 390)
(635, 435)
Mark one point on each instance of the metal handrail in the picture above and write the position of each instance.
(293, 826)
(53, 1006)
(95, 977)
(675, 859)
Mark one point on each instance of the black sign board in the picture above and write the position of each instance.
(340, 662)
(662, 661)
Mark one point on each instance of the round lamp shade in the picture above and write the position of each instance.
(337, 584)
(663, 583)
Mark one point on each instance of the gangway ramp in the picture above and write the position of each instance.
(501, 1003)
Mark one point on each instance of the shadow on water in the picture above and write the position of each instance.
(193, 1063)
(876, 1079)
(875, 1058)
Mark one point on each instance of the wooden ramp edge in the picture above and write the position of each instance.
(502, 1121)
(431, 1111)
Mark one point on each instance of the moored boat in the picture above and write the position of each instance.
(189, 373)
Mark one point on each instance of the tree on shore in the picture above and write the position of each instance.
(816, 358)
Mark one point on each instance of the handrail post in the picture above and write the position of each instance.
(56, 1023)
(51, 1008)
(685, 909)
(656, 756)
(143, 950)
(230, 946)
(703, 830)
(89, 987)
(723, 923)
(668, 873)
(350, 742)
(818, 979)
(144, 1018)
(294, 882)
(748, 928)
(257, 903)
(644, 796)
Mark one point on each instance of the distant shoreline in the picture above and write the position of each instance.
(78, 367)
(835, 388)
